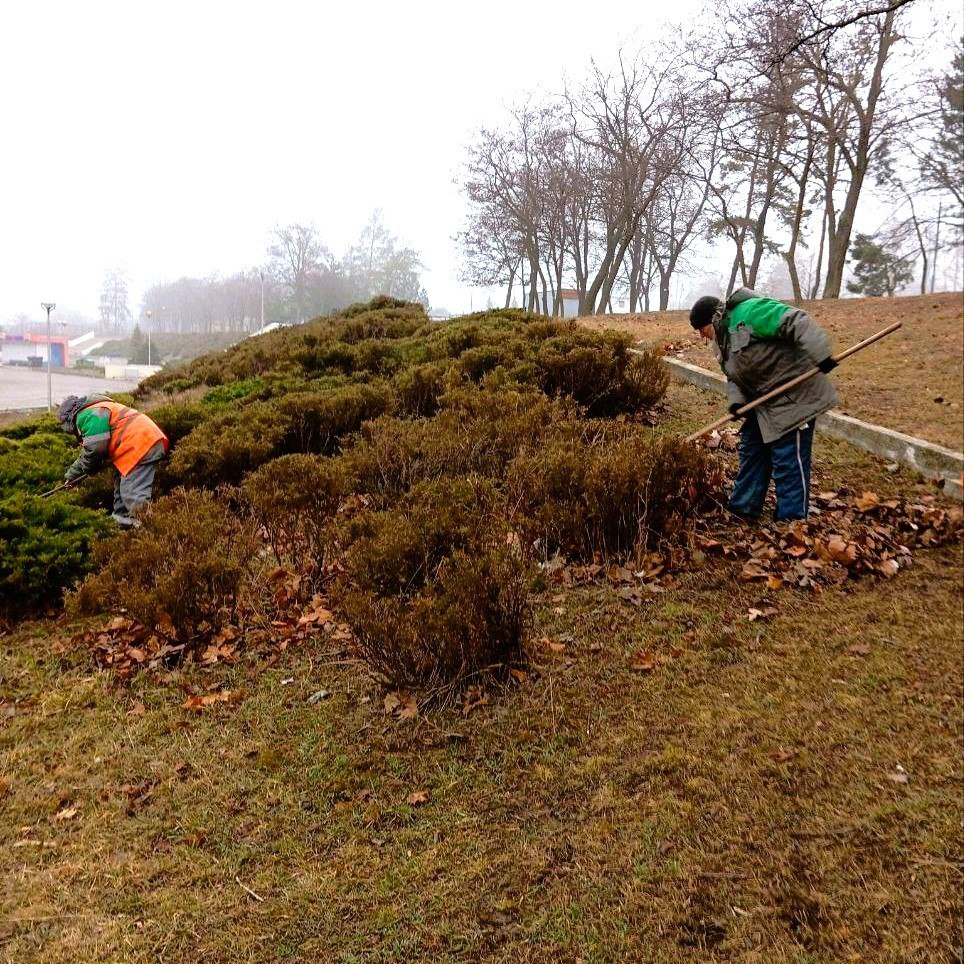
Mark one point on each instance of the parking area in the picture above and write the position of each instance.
(22, 389)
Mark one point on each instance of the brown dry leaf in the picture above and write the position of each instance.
(753, 570)
(409, 708)
(475, 696)
(391, 702)
(519, 675)
(774, 582)
(418, 798)
(644, 661)
(897, 777)
(164, 623)
(859, 649)
(319, 615)
(198, 703)
(765, 612)
(552, 645)
(68, 813)
(889, 568)
(138, 709)
(868, 501)
(621, 574)
(843, 552)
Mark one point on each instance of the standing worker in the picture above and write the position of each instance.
(761, 343)
(111, 432)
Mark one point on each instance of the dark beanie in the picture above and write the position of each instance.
(701, 314)
(67, 411)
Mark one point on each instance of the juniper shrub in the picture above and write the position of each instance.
(187, 563)
(417, 389)
(476, 431)
(44, 548)
(600, 373)
(226, 447)
(293, 499)
(179, 420)
(432, 589)
(582, 495)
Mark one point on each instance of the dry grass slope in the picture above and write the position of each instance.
(771, 791)
(912, 381)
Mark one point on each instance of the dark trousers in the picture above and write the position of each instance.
(134, 489)
(786, 460)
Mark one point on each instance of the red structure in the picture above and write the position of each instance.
(32, 350)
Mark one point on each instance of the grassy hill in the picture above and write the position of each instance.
(440, 648)
(912, 381)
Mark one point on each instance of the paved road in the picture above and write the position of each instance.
(21, 388)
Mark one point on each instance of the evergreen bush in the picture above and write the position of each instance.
(44, 548)
(35, 462)
(432, 589)
(608, 494)
(181, 572)
(293, 499)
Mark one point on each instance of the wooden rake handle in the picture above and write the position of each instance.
(799, 380)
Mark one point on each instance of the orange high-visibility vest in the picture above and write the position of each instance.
(132, 435)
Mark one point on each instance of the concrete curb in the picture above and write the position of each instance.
(932, 461)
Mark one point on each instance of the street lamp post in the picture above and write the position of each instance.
(262, 297)
(49, 306)
(148, 337)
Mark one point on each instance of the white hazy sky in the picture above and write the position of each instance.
(170, 138)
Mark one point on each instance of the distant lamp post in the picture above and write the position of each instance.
(148, 315)
(49, 307)
(262, 297)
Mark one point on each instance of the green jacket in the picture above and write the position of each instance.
(764, 343)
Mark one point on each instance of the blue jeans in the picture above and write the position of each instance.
(786, 460)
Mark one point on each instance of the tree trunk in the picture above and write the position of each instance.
(840, 238)
(790, 255)
(664, 279)
(815, 280)
(508, 295)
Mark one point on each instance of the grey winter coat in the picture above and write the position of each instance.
(756, 360)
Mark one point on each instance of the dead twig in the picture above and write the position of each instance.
(248, 890)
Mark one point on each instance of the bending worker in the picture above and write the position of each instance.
(760, 344)
(111, 432)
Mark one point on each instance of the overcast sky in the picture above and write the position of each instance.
(170, 138)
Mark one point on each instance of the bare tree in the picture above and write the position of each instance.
(296, 253)
(627, 118)
(114, 310)
(849, 107)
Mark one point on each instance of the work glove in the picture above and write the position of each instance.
(827, 365)
(734, 409)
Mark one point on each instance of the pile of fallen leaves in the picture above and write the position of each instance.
(846, 537)
(127, 646)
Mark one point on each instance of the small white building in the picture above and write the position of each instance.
(570, 302)
(130, 372)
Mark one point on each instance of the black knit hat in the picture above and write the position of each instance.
(701, 314)
(67, 412)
